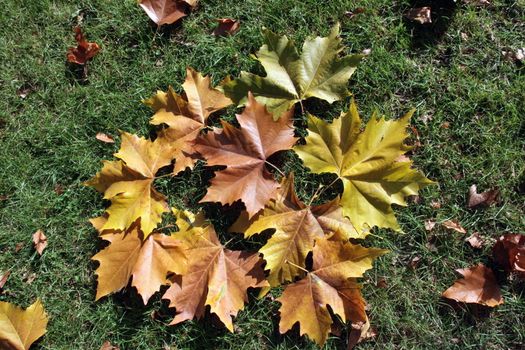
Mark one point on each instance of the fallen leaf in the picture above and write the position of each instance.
(475, 240)
(165, 11)
(3, 279)
(429, 225)
(25, 90)
(59, 189)
(245, 154)
(359, 332)
(366, 163)
(146, 261)
(484, 199)
(29, 277)
(478, 286)
(18, 247)
(366, 52)
(20, 328)
(216, 277)
(330, 284)
(39, 241)
(128, 184)
(185, 115)
(319, 71)
(453, 225)
(107, 346)
(435, 204)
(420, 15)
(509, 253)
(104, 138)
(296, 226)
(414, 262)
(84, 51)
(352, 14)
(226, 26)
(445, 125)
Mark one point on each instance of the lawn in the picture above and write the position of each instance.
(470, 106)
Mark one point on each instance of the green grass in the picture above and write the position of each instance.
(47, 140)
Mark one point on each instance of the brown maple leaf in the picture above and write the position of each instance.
(216, 277)
(166, 11)
(146, 262)
(509, 253)
(296, 226)
(186, 115)
(39, 241)
(478, 286)
(330, 284)
(128, 184)
(84, 51)
(244, 152)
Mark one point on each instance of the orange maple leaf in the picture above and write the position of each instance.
(84, 51)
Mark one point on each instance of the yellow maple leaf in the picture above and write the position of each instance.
(368, 164)
(297, 226)
(20, 328)
(128, 184)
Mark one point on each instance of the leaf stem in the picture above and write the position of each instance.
(320, 191)
(302, 107)
(297, 266)
(276, 168)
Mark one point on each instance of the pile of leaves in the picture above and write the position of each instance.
(312, 250)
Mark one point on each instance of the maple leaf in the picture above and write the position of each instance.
(291, 78)
(296, 226)
(84, 50)
(245, 152)
(331, 283)
(484, 199)
(20, 328)
(478, 286)
(166, 11)
(185, 115)
(216, 276)
(147, 262)
(128, 184)
(367, 164)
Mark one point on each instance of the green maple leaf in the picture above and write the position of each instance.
(291, 78)
(370, 164)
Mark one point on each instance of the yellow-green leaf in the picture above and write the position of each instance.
(318, 72)
(367, 163)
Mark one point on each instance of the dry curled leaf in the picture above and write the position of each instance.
(84, 51)
(20, 328)
(475, 240)
(108, 346)
(484, 199)
(359, 332)
(39, 241)
(509, 253)
(104, 138)
(453, 225)
(429, 225)
(420, 15)
(3, 279)
(166, 11)
(226, 26)
(478, 286)
(245, 152)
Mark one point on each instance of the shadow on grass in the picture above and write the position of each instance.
(442, 13)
